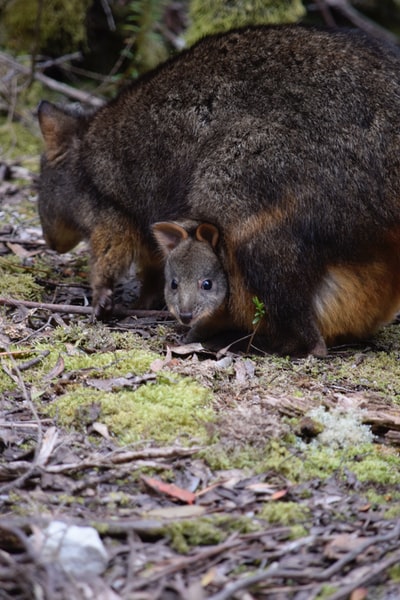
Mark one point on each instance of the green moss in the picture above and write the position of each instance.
(369, 462)
(62, 25)
(378, 371)
(377, 464)
(17, 281)
(20, 142)
(393, 512)
(164, 411)
(220, 458)
(297, 532)
(213, 16)
(394, 573)
(186, 534)
(205, 531)
(284, 513)
(327, 590)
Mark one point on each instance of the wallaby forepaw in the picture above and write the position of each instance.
(103, 306)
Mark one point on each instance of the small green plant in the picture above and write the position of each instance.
(260, 311)
(259, 314)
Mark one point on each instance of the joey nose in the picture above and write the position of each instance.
(185, 317)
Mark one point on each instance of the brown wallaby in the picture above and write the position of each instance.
(285, 138)
(196, 287)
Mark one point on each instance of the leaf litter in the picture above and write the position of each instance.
(280, 480)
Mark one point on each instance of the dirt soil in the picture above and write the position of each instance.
(208, 474)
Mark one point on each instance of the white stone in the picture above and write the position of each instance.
(78, 550)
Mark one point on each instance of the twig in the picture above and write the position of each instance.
(84, 310)
(326, 13)
(22, 242)
(107, 11)
(31, 363)
(53, 62)
(361, 21)
(120, 458)
(57, 86)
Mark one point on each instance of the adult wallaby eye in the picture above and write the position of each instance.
(206, 285)
(174, 284)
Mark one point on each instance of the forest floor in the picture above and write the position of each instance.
(206, 474)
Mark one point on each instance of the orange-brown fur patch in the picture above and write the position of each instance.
(354, 300)
(113, 249)
(241, 306)
(250, 228)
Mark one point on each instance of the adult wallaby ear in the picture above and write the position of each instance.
(169, 235)
(208, 233)
(57, 127)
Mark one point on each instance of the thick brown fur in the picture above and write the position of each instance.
(285, 138)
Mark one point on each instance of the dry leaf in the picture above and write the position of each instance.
(101, 429)
(170, 489)
(56, 370)
(341, 544)
(20, 251)
(278, 495)
(185, 349)
(49, 441)
(359, 594)
(261, 488)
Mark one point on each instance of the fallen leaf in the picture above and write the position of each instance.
(209, 577)
(185, 349)
(56, 370)
(101, 429)
(342, 544)
(278, 495)
(47, 447)
(20, 251)
(365, 508)
(261, 488)
(170, 489)
(359, 594)
(160, 363)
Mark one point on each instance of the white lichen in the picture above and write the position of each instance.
(341, 429)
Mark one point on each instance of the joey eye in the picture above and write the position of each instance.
(206, 285)
(174, 284)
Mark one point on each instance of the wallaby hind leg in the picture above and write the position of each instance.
(282, 276)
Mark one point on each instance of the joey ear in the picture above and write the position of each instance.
(57, 128)
(208, 233)
(169, 235)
